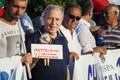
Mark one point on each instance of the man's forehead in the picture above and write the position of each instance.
(19, 2)
(15, 0)
(54, 12)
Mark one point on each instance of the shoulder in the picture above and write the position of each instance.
(33, 35)
(61, 36)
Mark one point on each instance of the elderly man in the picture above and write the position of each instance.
(57, 69)
(110, 29)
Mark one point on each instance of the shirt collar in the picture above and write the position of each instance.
(85, 22)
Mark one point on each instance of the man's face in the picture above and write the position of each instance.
(73, 17)
(16, 8)
(108, 15)
(53, 21)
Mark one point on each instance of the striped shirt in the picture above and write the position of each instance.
(112, 36)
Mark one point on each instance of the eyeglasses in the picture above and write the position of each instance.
(74, 17)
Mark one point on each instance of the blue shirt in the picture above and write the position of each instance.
(26, 22)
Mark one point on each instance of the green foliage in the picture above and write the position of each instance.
(35, 7)
(2, 3)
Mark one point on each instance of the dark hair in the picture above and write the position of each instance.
(71, 5)
(9, 1)
(86, 5)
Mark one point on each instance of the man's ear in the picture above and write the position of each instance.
(90, 13)
(116, 13)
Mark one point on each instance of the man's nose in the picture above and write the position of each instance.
(19, 11)
(53, 21)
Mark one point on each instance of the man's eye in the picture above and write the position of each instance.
(57, 19)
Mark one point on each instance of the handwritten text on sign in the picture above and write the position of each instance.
(48, 51)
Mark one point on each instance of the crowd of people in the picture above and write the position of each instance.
(68, 27)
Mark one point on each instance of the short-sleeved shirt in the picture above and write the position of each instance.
(85, 37)
(73, 43)
(112, 36)
(11, 40)
(26, 22)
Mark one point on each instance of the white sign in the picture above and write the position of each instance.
(11, 69)
(90, 67)
(47, 51)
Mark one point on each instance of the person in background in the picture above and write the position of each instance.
(110, 29)
(85, 37)
(11, 33)
(57, 69)
(72, 15)
(27, 24)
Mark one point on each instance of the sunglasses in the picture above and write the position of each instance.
(74, 17)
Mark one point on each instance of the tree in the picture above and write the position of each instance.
(35, 7)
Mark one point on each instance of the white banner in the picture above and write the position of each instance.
(90, 67)
(11, 69)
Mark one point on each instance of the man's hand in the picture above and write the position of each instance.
(102, 50)
(27, 58)
(73, 56)
(35, 60)
(101, 32)
(118, 45)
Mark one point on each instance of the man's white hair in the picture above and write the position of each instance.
(47, 9)
(115, 8)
